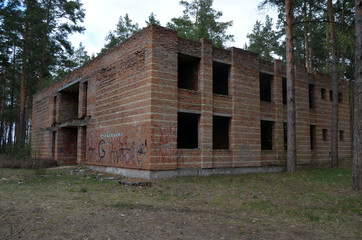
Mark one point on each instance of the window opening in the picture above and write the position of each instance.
(285, 135)
(284, 90)
(220, 78)
(311, 96)
(312, 137)
(220, 139)
(325, 134)
(340, 97)
(265, 87)
(330, 95)
(187, 130)
(266, 128)
(68, 103)
(323, 93)
(188, 72)
(341, 135)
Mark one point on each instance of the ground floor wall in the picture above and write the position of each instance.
(121, 147)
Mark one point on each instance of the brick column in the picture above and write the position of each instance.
(52, 110)
(57, 107)
(163, 150)
(277, 98)
(57, 141)
(82, 100)
(245, 122)
(81, 144)
(235, 85)
(206, 104)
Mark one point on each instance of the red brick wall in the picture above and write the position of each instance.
(132, 99)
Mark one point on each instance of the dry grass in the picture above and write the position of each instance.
(62, 204)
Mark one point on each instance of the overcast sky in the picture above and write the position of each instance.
(103, 15)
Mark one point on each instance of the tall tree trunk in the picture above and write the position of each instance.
(306, 40)
(343, 47)
(44, 52)
(334, 141)
(2, 134)
(21, 124)
(327, 41)
(350, 83)
(291, 113)
(11, 121)
(357, 136)
(27, 117)
(310, 38)
(343, 50)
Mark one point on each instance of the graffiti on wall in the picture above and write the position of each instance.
(115, 148)
(66, 151)
(118, 149)
(164, 143)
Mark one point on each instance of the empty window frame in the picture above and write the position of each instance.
(265, 87)
(341, 135)
(188, 72)
(323, 93)
(285, 135)
(284, 90)
(325, 134)
(311, 96)
(187, 130)
(312, 137)
(340, 97)
(220, 78)
(266, 133)
(330, 95)
(220, 129)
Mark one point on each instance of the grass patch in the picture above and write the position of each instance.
(308, 204)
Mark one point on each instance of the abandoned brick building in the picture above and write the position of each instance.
(158, 105)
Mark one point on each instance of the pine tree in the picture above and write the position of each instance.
(152, 20)
(61, 18)
(125, 29)
(33, 41)
(291, 111)
(357, 136)
(200, 20)
(263, 39)
(334, 142)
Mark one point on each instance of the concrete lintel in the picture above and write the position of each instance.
(221, 61)
(189, 54)
(69, 84)
(268, 119)
(84, 80)
(222, 115)
(267, 72)
(132, 173)
(189, 111)
(76, 123)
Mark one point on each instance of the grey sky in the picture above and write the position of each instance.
(102, 17)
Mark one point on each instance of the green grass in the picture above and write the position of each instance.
(309, 204)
